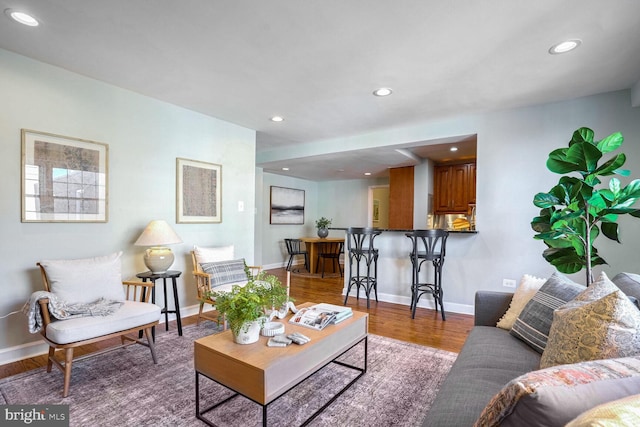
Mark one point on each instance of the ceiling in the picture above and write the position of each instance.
(316, 62)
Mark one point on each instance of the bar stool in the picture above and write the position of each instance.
(362, 253)
(428, 245)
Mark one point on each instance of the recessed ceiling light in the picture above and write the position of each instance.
(565, 46)
(367, 173)
(22, 17)
(285, 169)
(383, 91)
(277, 119)
(453, 149)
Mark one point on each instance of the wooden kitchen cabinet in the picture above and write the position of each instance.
(454, 188)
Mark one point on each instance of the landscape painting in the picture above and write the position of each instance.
(287, 206)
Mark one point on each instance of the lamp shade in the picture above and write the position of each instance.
(158, 233)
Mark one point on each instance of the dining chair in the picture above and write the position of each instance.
(331, 251)
(295, 248)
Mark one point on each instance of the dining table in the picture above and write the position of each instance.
(312, 244)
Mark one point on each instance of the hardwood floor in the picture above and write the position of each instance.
(386, 319)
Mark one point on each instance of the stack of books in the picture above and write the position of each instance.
(341, 312)
(320, 315)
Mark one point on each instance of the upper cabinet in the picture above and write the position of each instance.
(454, 188)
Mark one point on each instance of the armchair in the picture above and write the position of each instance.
(85, 283)
(231, 272)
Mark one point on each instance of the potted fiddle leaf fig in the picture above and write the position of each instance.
(321, 225)
(576, 210)
(245, 307)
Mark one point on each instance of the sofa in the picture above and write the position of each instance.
(492, 357)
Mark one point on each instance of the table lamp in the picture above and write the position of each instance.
(158, 233)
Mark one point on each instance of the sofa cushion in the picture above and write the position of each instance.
(130, 315)
(224, 272)
(489, 359)
(628, 283)
(555, 396)
(534, 322)
(621, 412)
(86, 280)
(600, 323)
(529, 285)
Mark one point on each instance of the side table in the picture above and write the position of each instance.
(173, 275)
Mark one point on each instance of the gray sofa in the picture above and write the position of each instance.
(489, 359)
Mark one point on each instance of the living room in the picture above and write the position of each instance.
(145, 136)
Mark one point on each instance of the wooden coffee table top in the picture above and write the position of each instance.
(263, 373)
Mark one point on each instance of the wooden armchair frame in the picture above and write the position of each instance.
(203, 285)
(134, 291)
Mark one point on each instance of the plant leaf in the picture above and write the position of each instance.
(611, 142)
(583, 134)
(610, 230)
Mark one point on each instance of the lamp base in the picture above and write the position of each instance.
(158, 259)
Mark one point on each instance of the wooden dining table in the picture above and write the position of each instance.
(312, 244)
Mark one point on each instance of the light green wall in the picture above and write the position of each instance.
(145, 137)
(513, 146)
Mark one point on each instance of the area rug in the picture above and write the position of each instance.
(125, 388)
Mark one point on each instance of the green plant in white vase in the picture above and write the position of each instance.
(245, 307)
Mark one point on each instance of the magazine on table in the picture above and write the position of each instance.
(314, 318)
(342, 312)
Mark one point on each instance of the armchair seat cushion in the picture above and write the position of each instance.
(130, 315)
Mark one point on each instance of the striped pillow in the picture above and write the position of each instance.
(534, 322)
(223, 272)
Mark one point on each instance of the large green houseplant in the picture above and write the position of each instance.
(250, 303)
(575, 211)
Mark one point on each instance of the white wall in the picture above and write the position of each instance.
(145, 136)
(513, 146)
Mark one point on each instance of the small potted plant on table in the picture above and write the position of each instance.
(245, 307)
(321, 225)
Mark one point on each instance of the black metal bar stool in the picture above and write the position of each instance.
(362, 255)
(428, 245)
(294, 248)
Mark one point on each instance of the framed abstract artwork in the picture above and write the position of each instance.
(64, 179)
(287, 206)
(199, 192)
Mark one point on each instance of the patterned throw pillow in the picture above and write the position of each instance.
(600, 323)
(528, 287)
(555, 396)
(534, 322)
(223, 272)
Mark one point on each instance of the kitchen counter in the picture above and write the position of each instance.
(395, 270)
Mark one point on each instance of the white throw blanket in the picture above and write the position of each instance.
(64, 310)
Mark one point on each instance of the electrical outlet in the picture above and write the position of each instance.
(508, 283)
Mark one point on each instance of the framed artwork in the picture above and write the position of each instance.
(287, 206)
(199, 188)
(64, 179)
(376, 210)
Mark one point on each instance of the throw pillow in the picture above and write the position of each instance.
(221, 253)
(534, 322)
(527, 288)
(555, 396)
(588, 328)
(224, 272)
(621, 412)
(86, 280)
